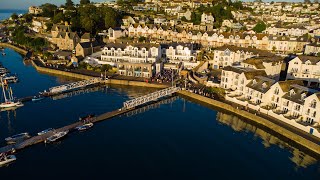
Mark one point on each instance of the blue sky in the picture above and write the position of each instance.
(24, 4)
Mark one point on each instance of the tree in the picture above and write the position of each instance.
(28, 17)
(261, 26)
(307, 1)
(58, 18)
(49, 26)
(272, 2)
(183, 18)
(142, 39)
(83, 2)
(14, 16)
(318, 54)
(274, 48)
(316, 1)
(105, 67)
(48, 10)
(111, 17)
(69, 4)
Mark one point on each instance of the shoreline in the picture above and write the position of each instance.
(259, 121)
(282, 131)
(15, 48)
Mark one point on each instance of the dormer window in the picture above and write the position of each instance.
(291, 93)
(254, 82)
(264, 85)
(313, 104)
(303, 96)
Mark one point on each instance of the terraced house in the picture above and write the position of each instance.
(306, 68)
(137, 60)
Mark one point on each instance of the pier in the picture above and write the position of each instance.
(137, 105)
(73, 86)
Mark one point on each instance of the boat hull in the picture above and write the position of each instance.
(10, 158)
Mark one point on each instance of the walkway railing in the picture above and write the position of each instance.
(74, 85)
(150, 97)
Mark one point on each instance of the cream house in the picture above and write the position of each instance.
(306, 68)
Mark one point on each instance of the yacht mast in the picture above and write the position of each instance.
(4, 93)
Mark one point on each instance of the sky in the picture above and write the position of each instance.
(24, 4)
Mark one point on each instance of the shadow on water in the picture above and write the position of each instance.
(299, 157)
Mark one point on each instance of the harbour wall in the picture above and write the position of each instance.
(288, 135)
(17, 49)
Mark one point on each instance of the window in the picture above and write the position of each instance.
(276, 91)
(313, 104)
(314, 114)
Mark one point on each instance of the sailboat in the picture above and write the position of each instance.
(8, 102)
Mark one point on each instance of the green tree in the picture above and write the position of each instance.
(58, 18)
(318, 54)
(69, 4)
(28, 17)
(105, 67)
(307, 1)
(48, 10)
(111, 17)
(83, 2)
(49, 26)
(14, 16)
(274, 48)
(183, 18)
(142, 39)
(261, 26)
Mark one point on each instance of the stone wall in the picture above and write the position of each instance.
(19, 50)
(294, 138)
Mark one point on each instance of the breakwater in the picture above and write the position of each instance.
(288, 135)
(17, 49)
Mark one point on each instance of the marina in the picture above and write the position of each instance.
(142, 128)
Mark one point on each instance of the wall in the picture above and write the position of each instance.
(313, 147)
(19, 50)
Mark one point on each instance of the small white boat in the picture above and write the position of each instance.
(17, 137)
(10, 104)
(3, 54)
(84, 127)
(8, 101)
(45, 131)
(11, 79)
(56, 136)
(6, 159)
(37, 98)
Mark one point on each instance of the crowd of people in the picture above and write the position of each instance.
(165, 76)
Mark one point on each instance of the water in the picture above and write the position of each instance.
(6, 13)
(178, 140)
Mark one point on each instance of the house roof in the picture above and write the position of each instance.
(86, 36)
(312, 59)
(253, 50)
(248, 72)
(261, 84)
(285, 85)
(86, 45)
(297, 96)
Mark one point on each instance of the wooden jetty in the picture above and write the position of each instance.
(38, 139)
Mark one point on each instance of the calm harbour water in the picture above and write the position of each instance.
(6, 13)
(178, 140)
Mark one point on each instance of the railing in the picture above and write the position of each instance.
(150, 97)
(74, 85)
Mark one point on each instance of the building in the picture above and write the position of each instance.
(84, 49)
(35, 10)
(312, 49)
(39, 24)
(232, 55)
(66, 40)
(136, 60)
(305, 68)
(207, 18)
(57, 28)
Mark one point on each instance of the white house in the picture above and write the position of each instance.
(306, 68)
(207, 18)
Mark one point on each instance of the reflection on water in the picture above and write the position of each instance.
(300, 158)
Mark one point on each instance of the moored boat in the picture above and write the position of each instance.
(10, 78)
(17, 137)
(84, 127)
(37, 98)
(8, 101)
(3, 54)
(56, 136)
(45, 131)
(6, 159)
(87, 118)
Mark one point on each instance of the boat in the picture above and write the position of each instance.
(10, 78)
(17, 137)
(6, 159)
(84, 127)
(45, 131)
(56, 136)
(8, 102)
(37, 98)
(3, 54)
